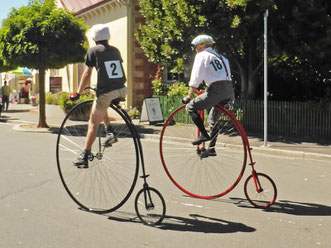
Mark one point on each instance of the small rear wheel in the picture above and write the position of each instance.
(150, 206)
(260, 190)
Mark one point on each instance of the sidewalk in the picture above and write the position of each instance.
(26, 116)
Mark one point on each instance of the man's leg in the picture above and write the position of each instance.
(110, 135)
(213, 123)
(198, 103)
(96, 117)
(6, 102)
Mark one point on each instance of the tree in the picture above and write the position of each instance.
(236, 27)
(299, 37)
(41, 36)
(4, 68)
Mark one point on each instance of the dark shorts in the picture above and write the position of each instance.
(217, 92)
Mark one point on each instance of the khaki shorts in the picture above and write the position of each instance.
(103, 101)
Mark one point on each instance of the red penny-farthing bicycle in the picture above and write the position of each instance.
(201, 174)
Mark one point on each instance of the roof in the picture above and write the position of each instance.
(79, 6)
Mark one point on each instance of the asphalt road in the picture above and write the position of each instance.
(35, 210)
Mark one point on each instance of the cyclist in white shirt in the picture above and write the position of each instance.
(213, 69)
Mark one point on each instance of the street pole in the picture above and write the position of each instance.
(265, 80)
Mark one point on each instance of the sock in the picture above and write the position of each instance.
(109, 129)
(196, 118)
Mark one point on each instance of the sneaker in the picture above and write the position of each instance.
(211, 152)
(110, 139)
(200, 139)
(82, 161)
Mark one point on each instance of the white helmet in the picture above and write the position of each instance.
(100, 32)
(206, 39)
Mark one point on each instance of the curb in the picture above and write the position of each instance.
(268, 150)
(155, 137)
(19, 128)
(292, 154)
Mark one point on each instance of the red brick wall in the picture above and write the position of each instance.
(143, 71)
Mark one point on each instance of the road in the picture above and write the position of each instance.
(36, 211)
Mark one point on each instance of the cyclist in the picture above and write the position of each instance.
(110, 85)
(214, 70)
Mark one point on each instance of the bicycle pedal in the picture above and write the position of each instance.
(107, 145)
(204, 155)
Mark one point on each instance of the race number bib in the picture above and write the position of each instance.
(114, 69)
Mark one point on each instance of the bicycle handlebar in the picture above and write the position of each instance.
(90, 88)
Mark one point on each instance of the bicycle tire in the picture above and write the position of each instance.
(265, 196)
(205, 178)
(110, 179)
(154, 215)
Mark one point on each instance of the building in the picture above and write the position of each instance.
(122, 17)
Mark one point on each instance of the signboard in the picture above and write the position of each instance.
(151, 110)
(55, 84)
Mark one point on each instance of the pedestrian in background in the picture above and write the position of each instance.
(5, 92)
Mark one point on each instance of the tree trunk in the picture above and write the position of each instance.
(252, 88)
(42, 107)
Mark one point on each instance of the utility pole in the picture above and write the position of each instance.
(265, 80)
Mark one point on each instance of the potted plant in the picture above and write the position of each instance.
(66, 105)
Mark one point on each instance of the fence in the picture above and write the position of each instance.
(299, 119)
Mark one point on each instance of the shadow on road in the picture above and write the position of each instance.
(5, 118)
(300, 208)
(291, 207)
(200, 223)
(197, 223)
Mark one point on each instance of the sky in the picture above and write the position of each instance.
(6, 5)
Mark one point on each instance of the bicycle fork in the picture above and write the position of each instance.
(257, 182)
(149, 205)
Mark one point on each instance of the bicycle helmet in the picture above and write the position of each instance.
(100, 32)
(202, 40)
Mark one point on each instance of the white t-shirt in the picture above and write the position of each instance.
(209, 67)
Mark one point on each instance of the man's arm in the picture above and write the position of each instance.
(86, 79)
(191, 92)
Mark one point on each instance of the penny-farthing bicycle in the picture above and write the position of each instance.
(113, 171)
(201, 174)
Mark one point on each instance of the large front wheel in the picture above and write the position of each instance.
(193, 169)
(112, 173)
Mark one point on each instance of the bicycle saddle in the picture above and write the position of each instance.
(116, 101)
(225, 101)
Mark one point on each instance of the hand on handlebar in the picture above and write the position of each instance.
(186, 99)
(74, 97)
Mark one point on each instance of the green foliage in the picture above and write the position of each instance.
(134, 113)
(159, 87)
(235, 25)
(42, 36)
(66, 104)
(167, 25)
(300, 31)
(178, 89)
(4, 68)
(53, 99)
(50, 98)
(300, 38)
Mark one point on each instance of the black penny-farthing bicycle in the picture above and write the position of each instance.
(113, 171)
